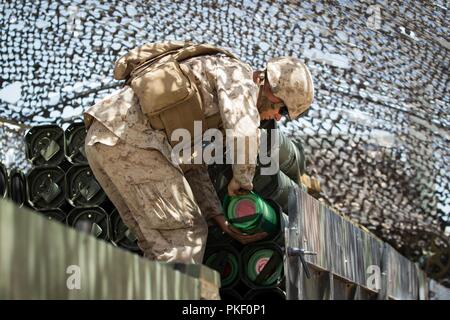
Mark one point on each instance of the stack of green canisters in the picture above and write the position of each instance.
(62, 186)
(256, 266)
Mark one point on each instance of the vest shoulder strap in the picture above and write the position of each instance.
(139, 55)
(139, 58)
(200, 50)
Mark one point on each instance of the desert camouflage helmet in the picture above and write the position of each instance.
(290, 80)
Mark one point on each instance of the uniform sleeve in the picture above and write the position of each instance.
(203, 190)
(237, 95)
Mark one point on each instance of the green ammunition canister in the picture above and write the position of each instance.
(224, 260)
(250, 214)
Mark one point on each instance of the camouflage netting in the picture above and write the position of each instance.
(377, 136)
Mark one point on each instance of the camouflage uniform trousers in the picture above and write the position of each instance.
(154, 200)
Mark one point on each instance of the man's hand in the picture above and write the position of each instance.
(236, 234)
(235, 188)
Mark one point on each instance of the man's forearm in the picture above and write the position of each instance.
(204, 192)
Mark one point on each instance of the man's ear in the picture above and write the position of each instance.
(267, 89)
(258, 77)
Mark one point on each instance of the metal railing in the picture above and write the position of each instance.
(348, 262)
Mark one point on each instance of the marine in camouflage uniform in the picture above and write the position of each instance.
(163, 207)
(166, 210)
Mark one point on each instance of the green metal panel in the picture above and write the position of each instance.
(341, 246)
(35, 254)
(402, 277)
(347, 255)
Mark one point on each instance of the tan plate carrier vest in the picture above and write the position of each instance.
(167, 93)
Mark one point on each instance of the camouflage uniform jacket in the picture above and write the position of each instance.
(226, 86)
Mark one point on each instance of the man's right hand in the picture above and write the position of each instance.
(236, 234)
(235, 188)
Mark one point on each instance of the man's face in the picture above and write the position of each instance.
(267, 104)
(270, 114)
